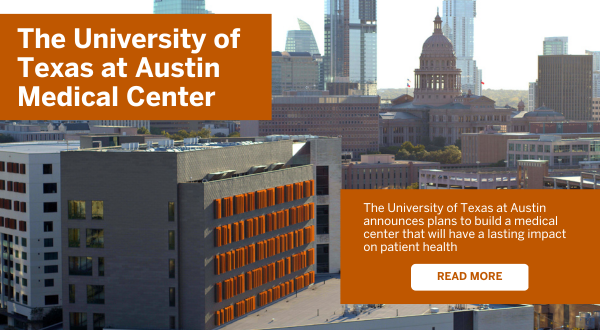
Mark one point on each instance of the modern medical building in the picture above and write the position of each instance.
(30, 229)
(193, 235)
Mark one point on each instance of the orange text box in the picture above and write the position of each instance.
(240, 45)
(557, 267)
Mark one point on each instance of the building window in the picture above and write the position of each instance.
(171, 268)
(322, 258)
(50, 207)
(24, 282)
(99, 321)
(48, 226)
(95, 294)
(78, 321)
(47, 169)
(80, 266)
(51, 300)
(322, 219)
(322, 180)
(24, 257)
(49, 282)
(18, 267)
(48, 242)
(25, 299)
(51, 256)
(172, 297)
(72, 293)
(94, 238)
(97, 210)
(50, 188)
(171, 322)
(74, 240)
(171, 211)
(100, 266)
(77, 210)
(23, 241)
(171, 240)
(51, 269)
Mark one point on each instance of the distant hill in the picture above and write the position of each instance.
(501, 96)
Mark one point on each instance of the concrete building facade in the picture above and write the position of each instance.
(294, 71)
(382, 172)
(565, 85)
(30, 230)
(352, 118)
(556, 150)
(227, 228)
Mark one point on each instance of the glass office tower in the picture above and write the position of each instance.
(459, 27)
(302, 40)
(351, 43)
(180, 7)
(556, 46)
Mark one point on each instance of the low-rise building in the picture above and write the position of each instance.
(483, 178)
(382, 172)
(557, 150)
(30, 132)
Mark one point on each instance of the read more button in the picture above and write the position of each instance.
(470, 277)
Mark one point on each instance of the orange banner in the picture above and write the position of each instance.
(472, 246)
(150, 67)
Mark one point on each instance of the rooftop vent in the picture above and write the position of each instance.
(130, 146)
(257, 169)
(275, 166)
(188, 141)
(166, 143)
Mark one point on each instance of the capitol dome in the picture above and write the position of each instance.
(438, 45)
(437, 80)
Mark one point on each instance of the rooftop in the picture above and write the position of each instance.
(324, 297)
(40, 147)
(482, 170)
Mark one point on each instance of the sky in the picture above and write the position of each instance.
(509, 34)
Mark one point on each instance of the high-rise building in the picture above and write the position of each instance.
(180, 7)
(565, 85)
(596, 73)
(459, 27)
(302, 40)
(30, 229)
(351, 43)
(531, 99)
(194, 235)
(556, 46)
(295, 71)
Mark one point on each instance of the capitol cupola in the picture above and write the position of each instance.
(437, 81)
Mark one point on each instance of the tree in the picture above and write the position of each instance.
(234, 134)
(143, 130)
(155, 131)
(414, 185)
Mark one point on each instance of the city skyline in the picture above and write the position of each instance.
(496, 47)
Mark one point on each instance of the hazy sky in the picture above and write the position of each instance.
(508, 33)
